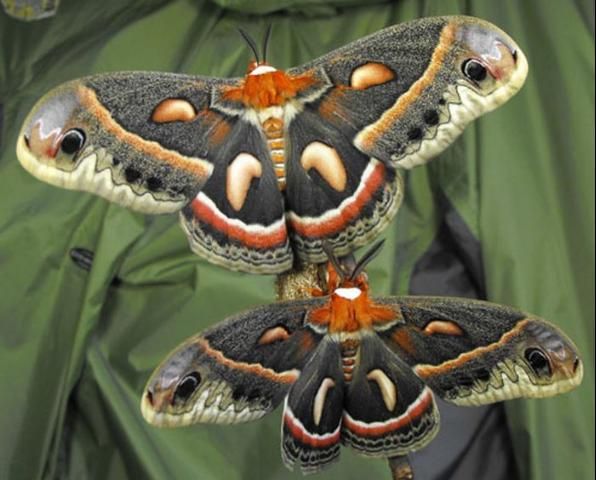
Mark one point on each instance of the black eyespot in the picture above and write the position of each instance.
(431, 117)
(415, 134)
(465, 381)
(131, 174)
(154, 183)
(238, 392)
(482, 374)
(72, 141)
(538, 361)
(187, 386)
(474, 70)
(253, 395)
(115, 161)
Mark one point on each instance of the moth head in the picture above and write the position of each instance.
(488, 62)
(54, 138)
(169, 396)
(550, 359)
(344, 272)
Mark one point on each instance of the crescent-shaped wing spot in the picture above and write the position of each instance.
(325, 160)
(174, 110)
(319, 402)
(370, 75)
(275, 334)
(445, 327)
(387, 387)
(240, 173)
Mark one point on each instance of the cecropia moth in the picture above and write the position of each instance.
(267, 167)
(356, 370)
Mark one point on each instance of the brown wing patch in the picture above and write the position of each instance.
(402, 337)
(219, 130)
(331, 106)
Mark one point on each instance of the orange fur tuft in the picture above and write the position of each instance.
(344, 315)
(268, 90)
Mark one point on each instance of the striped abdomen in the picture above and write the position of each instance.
(349, 351)
(274, 131)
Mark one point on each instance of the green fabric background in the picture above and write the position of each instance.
(75, 352)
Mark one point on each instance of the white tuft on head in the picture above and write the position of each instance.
(349, 293)
(261, 69)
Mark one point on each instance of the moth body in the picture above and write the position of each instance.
(269, 96)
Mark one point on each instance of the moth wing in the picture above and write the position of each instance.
(140, 139)
(155, 142)
(237, 371)
(388, 411)
(473, 352)
(237, 220)
(334, 192)
(311, 423)
(403, 94)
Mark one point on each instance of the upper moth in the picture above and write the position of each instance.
(268, 166)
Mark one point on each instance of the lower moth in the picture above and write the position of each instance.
(356, 370)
